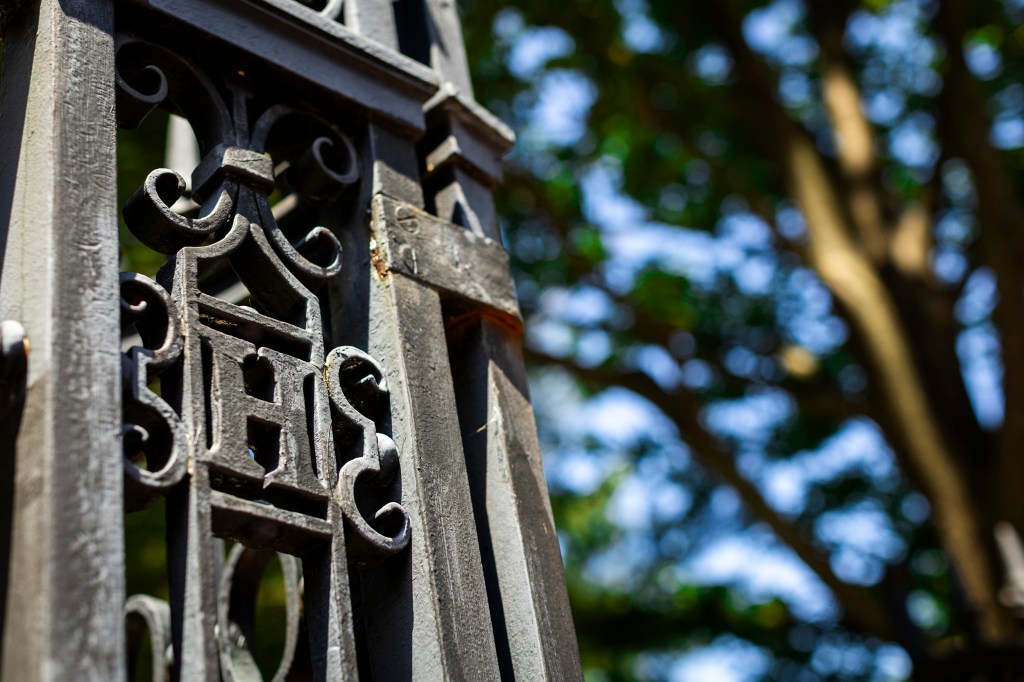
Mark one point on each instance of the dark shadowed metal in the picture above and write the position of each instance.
(324, 376)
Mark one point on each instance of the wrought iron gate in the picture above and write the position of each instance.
(324, 372)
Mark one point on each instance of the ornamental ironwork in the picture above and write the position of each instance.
(320, 380)
(257, 433)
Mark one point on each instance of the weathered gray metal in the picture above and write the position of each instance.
(334, 335)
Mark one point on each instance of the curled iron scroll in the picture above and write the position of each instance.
(148, 76)
(151, 426)
(240, 581)
(144, 613)
(149, 216)
(318, 161)
(358, 390)
(321, 163)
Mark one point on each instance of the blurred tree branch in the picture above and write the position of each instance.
(965, 131)
(849, 272)
(861, 606)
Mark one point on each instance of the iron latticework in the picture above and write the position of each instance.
(323, 374)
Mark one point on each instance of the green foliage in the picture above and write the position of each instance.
(139, 151)
(665, 257)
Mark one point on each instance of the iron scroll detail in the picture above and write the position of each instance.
(234, 411)
(358, 392)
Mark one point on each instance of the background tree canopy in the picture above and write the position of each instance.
(772, 263)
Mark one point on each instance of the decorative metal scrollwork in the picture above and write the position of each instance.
(148, 614)
(240, 580)
(358, 391)
(152, 427)
(255, 433)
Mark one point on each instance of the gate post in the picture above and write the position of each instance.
(58, 258)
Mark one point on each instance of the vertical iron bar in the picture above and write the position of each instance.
(526, 589)
(58, 258)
